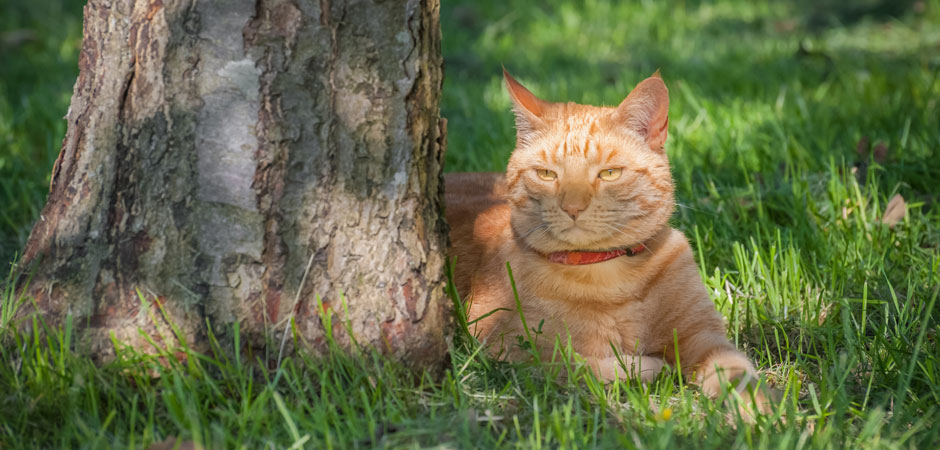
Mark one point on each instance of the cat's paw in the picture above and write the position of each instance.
(732, 375)
(644, 368)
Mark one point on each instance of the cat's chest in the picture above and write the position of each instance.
(600, 307)
(614, 282)
(593, 327)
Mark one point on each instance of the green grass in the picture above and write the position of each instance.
(769, 102)
(39, 44)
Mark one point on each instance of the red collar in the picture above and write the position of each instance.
(576, 258)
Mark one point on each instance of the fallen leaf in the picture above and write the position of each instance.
(860, 168)
(862, 147)
(895, 211)
(785, 26)
(880, 152)
(16, 38)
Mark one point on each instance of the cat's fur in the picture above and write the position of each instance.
(647, 305)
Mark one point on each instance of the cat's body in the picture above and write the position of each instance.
(587, 184)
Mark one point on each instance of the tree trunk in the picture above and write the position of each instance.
(233, 161)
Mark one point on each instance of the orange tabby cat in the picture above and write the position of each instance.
(581, 216)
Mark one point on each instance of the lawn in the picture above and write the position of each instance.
(792, 125)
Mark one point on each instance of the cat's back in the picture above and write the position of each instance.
(469, 194)
(463, 187)
(478, 215)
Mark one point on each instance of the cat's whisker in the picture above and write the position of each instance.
(694, 209)
(623, 225)
(613, 228)
(618, 230)
(543, 226)
(542, 232)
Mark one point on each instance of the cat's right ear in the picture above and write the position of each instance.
(645, 112)
(530, 110)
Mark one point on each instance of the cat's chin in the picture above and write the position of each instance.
(576, 238)
(544, 247)
(565, 242)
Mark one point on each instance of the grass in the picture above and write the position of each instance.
(39, 44)
(772, 103)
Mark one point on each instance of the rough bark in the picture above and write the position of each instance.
(234, 160)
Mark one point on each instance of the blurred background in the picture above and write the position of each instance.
(753, 83)
(765, 95)
(39, 44)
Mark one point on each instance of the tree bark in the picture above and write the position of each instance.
(233, 161)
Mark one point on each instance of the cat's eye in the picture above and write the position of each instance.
(609, 174)
(546, 174)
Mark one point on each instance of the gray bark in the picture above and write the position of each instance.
(219, 153)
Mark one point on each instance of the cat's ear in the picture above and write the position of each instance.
(646, 111)
(530, 110)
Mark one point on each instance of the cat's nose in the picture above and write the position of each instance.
(574, 208)
(574, 200)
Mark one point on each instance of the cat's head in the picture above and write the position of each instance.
(586, 177)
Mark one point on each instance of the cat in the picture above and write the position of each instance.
(581, 215)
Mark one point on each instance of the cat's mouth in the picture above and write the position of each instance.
(582, 257)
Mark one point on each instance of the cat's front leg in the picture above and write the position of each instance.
(724, 366)
(645, 368)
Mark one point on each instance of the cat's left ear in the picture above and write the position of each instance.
(646, 111)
